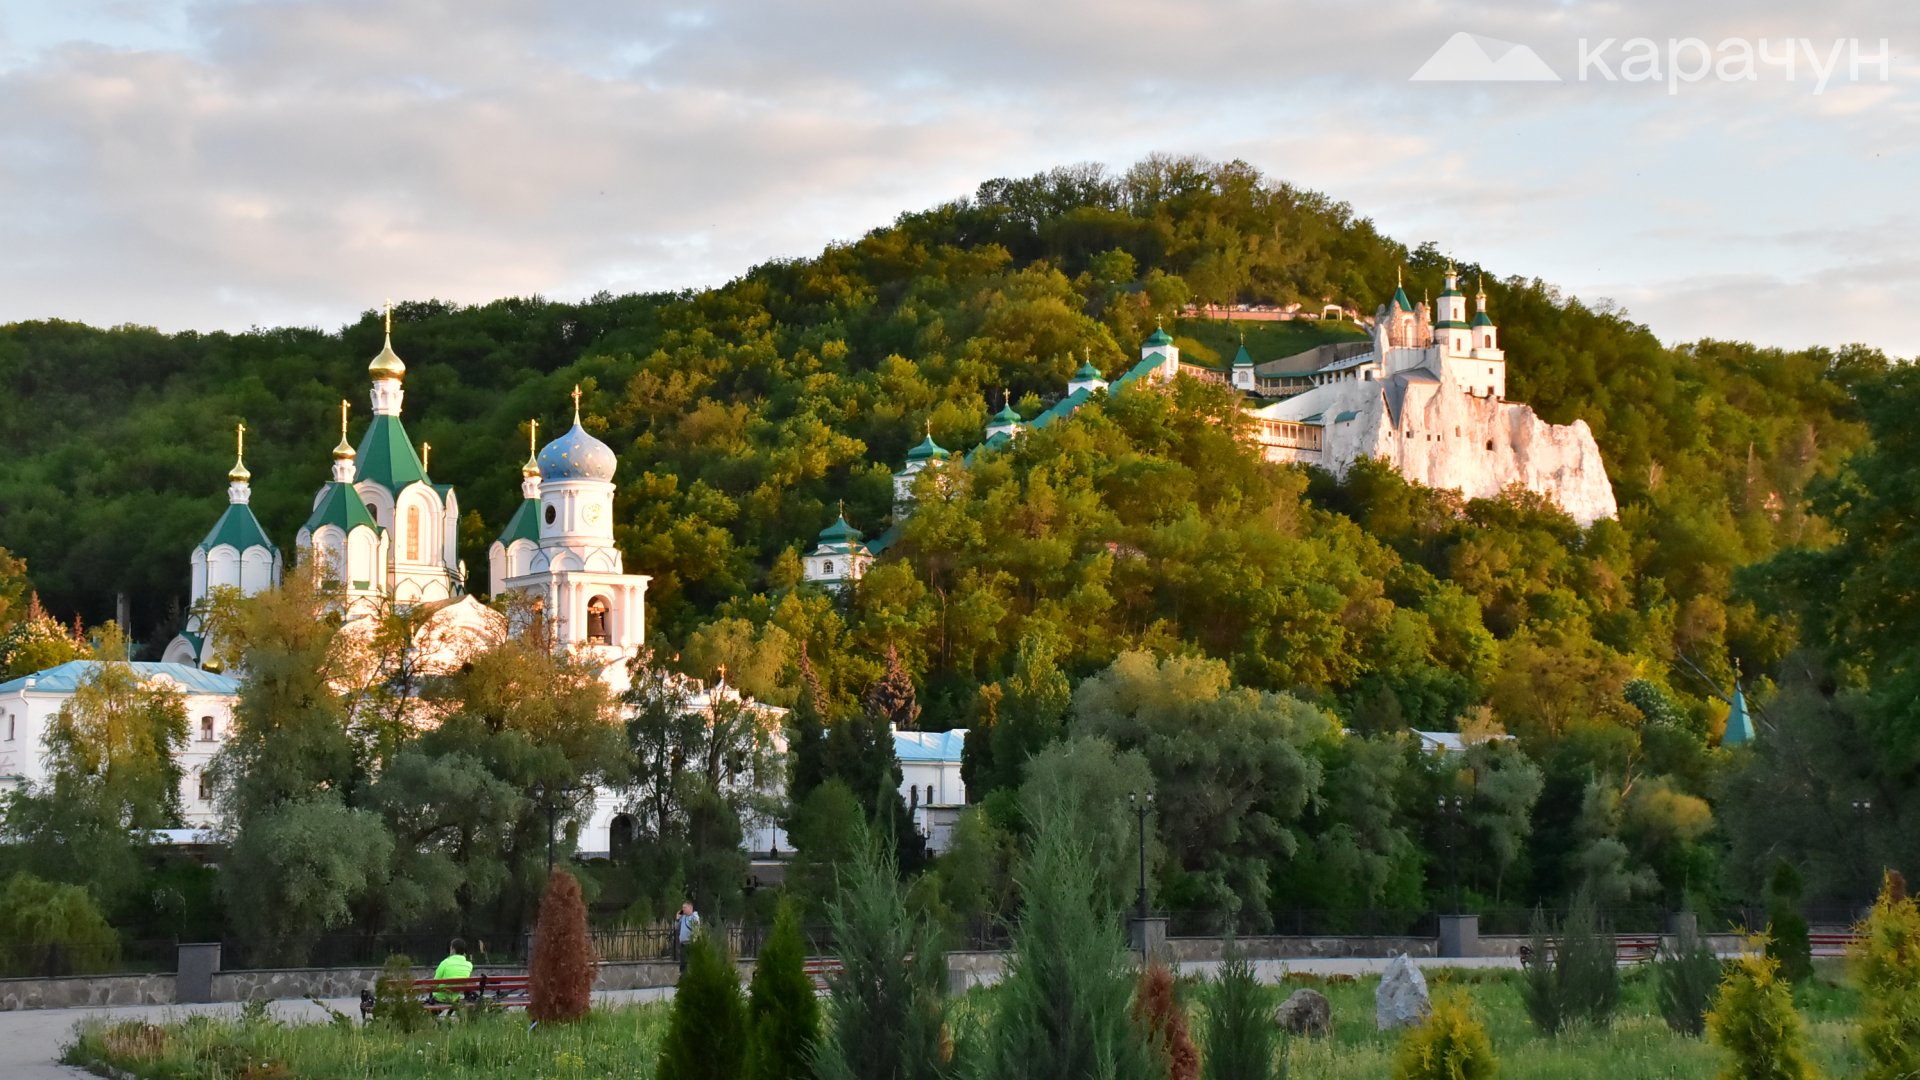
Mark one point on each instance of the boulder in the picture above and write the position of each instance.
(1305, 1012)
(1402, 999)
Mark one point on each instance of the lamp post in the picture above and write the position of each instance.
(1141, 804)
(1450, 806)
(1862, 808)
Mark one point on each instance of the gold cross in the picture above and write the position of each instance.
(343, 419)
(426, 453)
(533, 437)
(389, 316)
(723, 674)
(240, 440)
(576, 403)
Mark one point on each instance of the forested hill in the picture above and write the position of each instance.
(742, 414)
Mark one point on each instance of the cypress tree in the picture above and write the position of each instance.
(1241, 1036)
(560, 985)
(706, 1035)
(783, 1017)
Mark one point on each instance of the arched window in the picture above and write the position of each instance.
(373, 513)
(620, 836)
(9, 727)
(206, 786)
(597, 621)
(826, 568)
(206, 729)
(1489, 341)
(413, 533)
(913, 797)
(1489, 444)
(929, 794)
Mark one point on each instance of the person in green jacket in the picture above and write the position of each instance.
(455, 966)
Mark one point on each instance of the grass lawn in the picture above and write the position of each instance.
(1637, 1046)
(622, 1041)
(616, 1042)
(1213, 341)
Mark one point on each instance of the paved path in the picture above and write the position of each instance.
(31, 1039)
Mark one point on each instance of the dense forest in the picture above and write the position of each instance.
(1136, 574)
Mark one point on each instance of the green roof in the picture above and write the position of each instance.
(1346, 416)
(341, 506)
(239, 528)
(1400, 300)
(1480, 318)
(386, 456)
(1449, 324)
(840, 532)
(1159, 337)
(927, 449)
(524, 525)
(1007, 415)
(1088, 371)
(1739, 725)
(1452, 292)
(1242, 358)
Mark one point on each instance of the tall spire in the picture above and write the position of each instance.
(576, 404)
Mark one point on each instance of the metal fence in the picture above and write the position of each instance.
(52, 961)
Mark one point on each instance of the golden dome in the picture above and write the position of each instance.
(388, 364)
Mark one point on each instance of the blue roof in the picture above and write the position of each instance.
(576, 455)
(66, 678)
(929, 746)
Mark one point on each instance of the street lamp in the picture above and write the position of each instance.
(1450, 806)
(1141, 804)
(1862, 808)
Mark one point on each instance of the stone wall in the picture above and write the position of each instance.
(86, 991)
(1186, 950)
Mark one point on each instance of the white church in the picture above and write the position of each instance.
(382, 533)
(1426, 391)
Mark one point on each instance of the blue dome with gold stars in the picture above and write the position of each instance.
(576, 456)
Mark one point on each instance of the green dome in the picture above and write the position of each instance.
(840, 532)
(1088, 371)
(1006, 415)
(928, 449)
(1160, 337)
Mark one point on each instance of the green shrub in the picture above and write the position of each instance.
(1540, 980)
(707, 1034)
(1589, 976)
(1450, 1044)
(53, 928)
(1685, 980)
(1571, 977)
(888, 1005)
(1886, 965)
(783, 1017)
(396, 1001)
(1787, 939)
(1240, 1036)
(1755, 1022)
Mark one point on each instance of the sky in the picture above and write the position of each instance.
(222, 164)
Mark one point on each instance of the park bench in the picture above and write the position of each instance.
(1628, 949)
(821, 968)
(1832, 944)
(496, 991)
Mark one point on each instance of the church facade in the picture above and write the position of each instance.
(1426, 391)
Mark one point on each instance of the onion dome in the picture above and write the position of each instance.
(576, 455)
(1006, 415)
(387, 365)
(1159, 337)
(928, 450)
(1087, 371)
(840, 534)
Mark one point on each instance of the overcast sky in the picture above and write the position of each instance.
(222, 164)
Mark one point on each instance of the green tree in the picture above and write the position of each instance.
(1886, 964)
(783, 1016)
(1063, 1004)
(707, 1035)
(1450, 1044)
(887, 1008)
(1755, 1022)
(1240, 1037)
(47, 927)
(112, 779)
(1083, 787)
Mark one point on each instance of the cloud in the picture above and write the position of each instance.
(225, 163)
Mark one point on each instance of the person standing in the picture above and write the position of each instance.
(684, 927)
